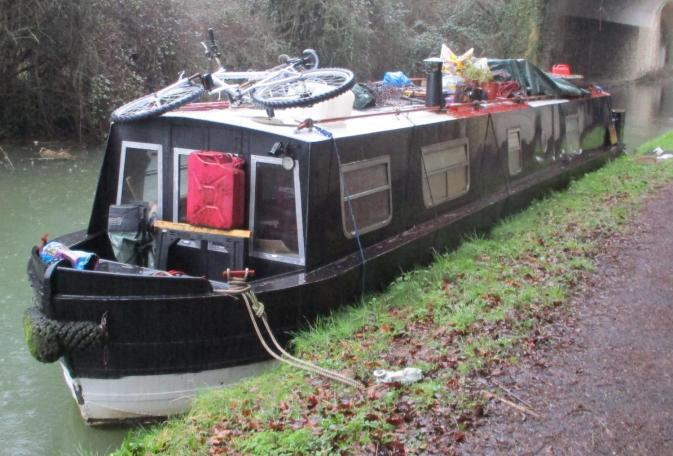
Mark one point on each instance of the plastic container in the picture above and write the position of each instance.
(216, 190)
(450, 82)
(561, 69)
(341, 106)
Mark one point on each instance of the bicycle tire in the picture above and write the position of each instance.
(323, 84)
(151, 105)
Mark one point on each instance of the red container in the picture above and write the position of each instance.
(215, 190)
(561, 69)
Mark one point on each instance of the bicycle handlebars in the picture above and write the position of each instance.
(211, 43)
(309, 58)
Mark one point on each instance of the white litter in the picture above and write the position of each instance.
(404, 376)
(658, 151)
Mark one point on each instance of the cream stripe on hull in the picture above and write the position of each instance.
(148, 397)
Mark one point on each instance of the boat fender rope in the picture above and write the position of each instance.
(50, 339)
(239, 288)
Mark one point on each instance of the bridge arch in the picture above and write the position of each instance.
(609, 39)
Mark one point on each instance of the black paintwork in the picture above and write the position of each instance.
(171, 324)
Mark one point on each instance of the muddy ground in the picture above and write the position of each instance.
(604, 383)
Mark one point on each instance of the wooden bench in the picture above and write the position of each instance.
(169, 233)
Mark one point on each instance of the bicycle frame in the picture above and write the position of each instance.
(236, 92)
(254, 80)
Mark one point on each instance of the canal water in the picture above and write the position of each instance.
(649, 109)
(37, 414)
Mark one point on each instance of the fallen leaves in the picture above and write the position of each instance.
(520, 291)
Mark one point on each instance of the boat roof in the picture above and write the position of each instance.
(358, 123)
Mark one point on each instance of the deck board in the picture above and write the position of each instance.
(186, 227)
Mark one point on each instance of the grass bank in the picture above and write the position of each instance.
(664, 141)
(459, 320)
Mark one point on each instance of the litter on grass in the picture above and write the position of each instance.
(404, 376)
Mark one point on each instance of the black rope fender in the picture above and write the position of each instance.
(49, 339)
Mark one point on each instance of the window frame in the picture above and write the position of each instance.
(575, 118)
(300, 258)
(177, 152)
(509, 151)
(345, 211)
(428, 199)
(122, 164)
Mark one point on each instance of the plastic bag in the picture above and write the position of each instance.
(55, 251)
(364, 97)
(396, 79)
(404, 376)
(454, 64)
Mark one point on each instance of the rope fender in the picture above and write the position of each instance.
(49, 339)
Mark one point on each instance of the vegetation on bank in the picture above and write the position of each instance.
(460, 320)
(67, 65)
(664, 141)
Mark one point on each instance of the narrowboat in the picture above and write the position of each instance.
(326, 210)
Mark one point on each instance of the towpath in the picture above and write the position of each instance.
(604, 386)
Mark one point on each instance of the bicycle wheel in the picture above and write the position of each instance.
(157, 103)
(305, 89)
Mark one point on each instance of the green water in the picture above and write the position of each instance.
(37, 414)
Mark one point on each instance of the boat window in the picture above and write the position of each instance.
(366, 197)
(180, 157)
(446, 171)
(573, 134)
(139, 177)
(514, 157)
(275, 217)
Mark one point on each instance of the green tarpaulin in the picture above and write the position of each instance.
(534, 80)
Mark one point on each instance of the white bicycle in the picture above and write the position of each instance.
(296, 82)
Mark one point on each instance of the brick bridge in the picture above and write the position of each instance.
(609, 39)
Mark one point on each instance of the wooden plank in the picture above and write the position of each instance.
(613, 134)
(166, 225)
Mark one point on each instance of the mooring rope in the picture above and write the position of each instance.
(239, 287)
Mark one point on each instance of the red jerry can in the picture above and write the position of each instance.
(561, 69)
(215, 190)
